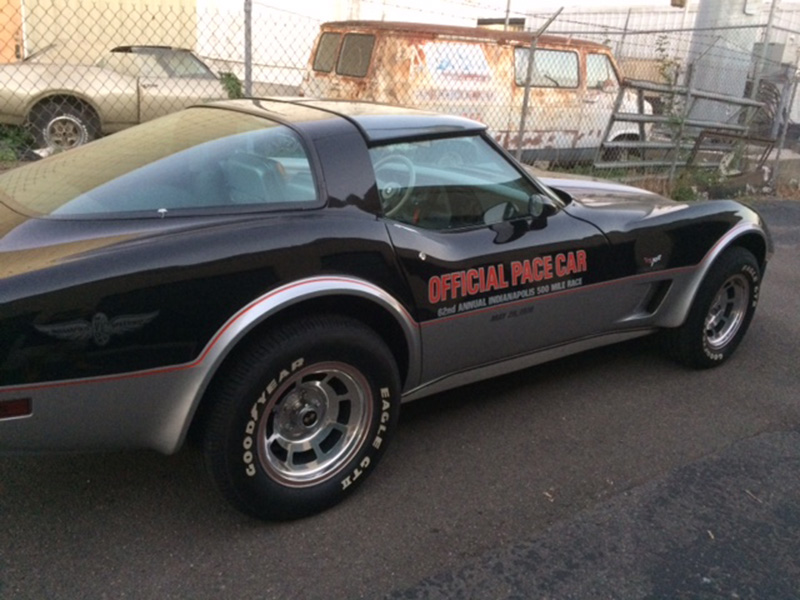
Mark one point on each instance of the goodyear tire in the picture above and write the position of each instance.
(721, 313)
(63, 125)
(302, 417)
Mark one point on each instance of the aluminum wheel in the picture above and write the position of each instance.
(727, 312)
(65, 132)
(318, 420)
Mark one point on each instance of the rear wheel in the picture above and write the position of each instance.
(721, 313)
(623, 154)
(302, 417)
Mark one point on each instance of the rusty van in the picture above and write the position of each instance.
(481, 74)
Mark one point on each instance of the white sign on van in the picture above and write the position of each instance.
(456, 60)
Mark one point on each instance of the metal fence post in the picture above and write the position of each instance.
(773, 183)
(687, 109)
(621, 46)
(248, 48)
(526, 97)
(762, 56)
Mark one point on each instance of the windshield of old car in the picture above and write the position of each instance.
(198, 159)
(449, 183)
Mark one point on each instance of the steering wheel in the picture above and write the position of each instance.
(394, 194)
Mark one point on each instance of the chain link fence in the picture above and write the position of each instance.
(720, 98)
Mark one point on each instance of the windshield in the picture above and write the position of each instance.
(201, 158)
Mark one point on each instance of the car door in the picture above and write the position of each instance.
(490, 281)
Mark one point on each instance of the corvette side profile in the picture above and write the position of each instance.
(275, 277)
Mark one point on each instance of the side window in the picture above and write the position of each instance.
(183, 64)
(449, 184)
(147, 65)
(600, 74)
(325, 58)
(133, 65)
(551, 68)
(355, 55)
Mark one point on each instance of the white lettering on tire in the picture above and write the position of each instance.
(753, 273)
(357, 472)
(386, 405)
(248, 442)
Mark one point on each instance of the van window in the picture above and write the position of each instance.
(355, 55)
(326, 52)
(551, 68)
(599, 72)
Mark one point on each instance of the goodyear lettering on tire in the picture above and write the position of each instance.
(248, 443)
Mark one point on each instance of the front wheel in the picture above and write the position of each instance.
(721, 313)
(63, 125)
(302, 417)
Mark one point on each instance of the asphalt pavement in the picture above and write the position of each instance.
(611, 474)
(726, 526)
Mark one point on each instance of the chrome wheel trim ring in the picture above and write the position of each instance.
(314, 423)
(727, 312)
(65, 132)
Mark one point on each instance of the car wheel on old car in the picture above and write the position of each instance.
(63, 125)
(301, 417)
(721, 312)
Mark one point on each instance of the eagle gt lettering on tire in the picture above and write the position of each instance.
(302, 416)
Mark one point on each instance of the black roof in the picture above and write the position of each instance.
(378, 122)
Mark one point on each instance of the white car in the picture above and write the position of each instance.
(69, 105)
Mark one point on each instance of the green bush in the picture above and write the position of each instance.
(232, 85)
(695, 184)
(14, 141)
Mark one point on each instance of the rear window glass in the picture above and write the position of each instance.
(355, 55)
(551, 68)
(325, 57)
(198, 159)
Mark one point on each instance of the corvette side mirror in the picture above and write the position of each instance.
(540, 209)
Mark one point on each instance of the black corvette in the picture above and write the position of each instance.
(278, 276)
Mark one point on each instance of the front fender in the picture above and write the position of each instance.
(681, 296)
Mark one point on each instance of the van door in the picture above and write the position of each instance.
(340, 66)
(602, 89)
(553, 124)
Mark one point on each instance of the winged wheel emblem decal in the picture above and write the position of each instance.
(100, 329)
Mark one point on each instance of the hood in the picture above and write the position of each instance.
(600, 201)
